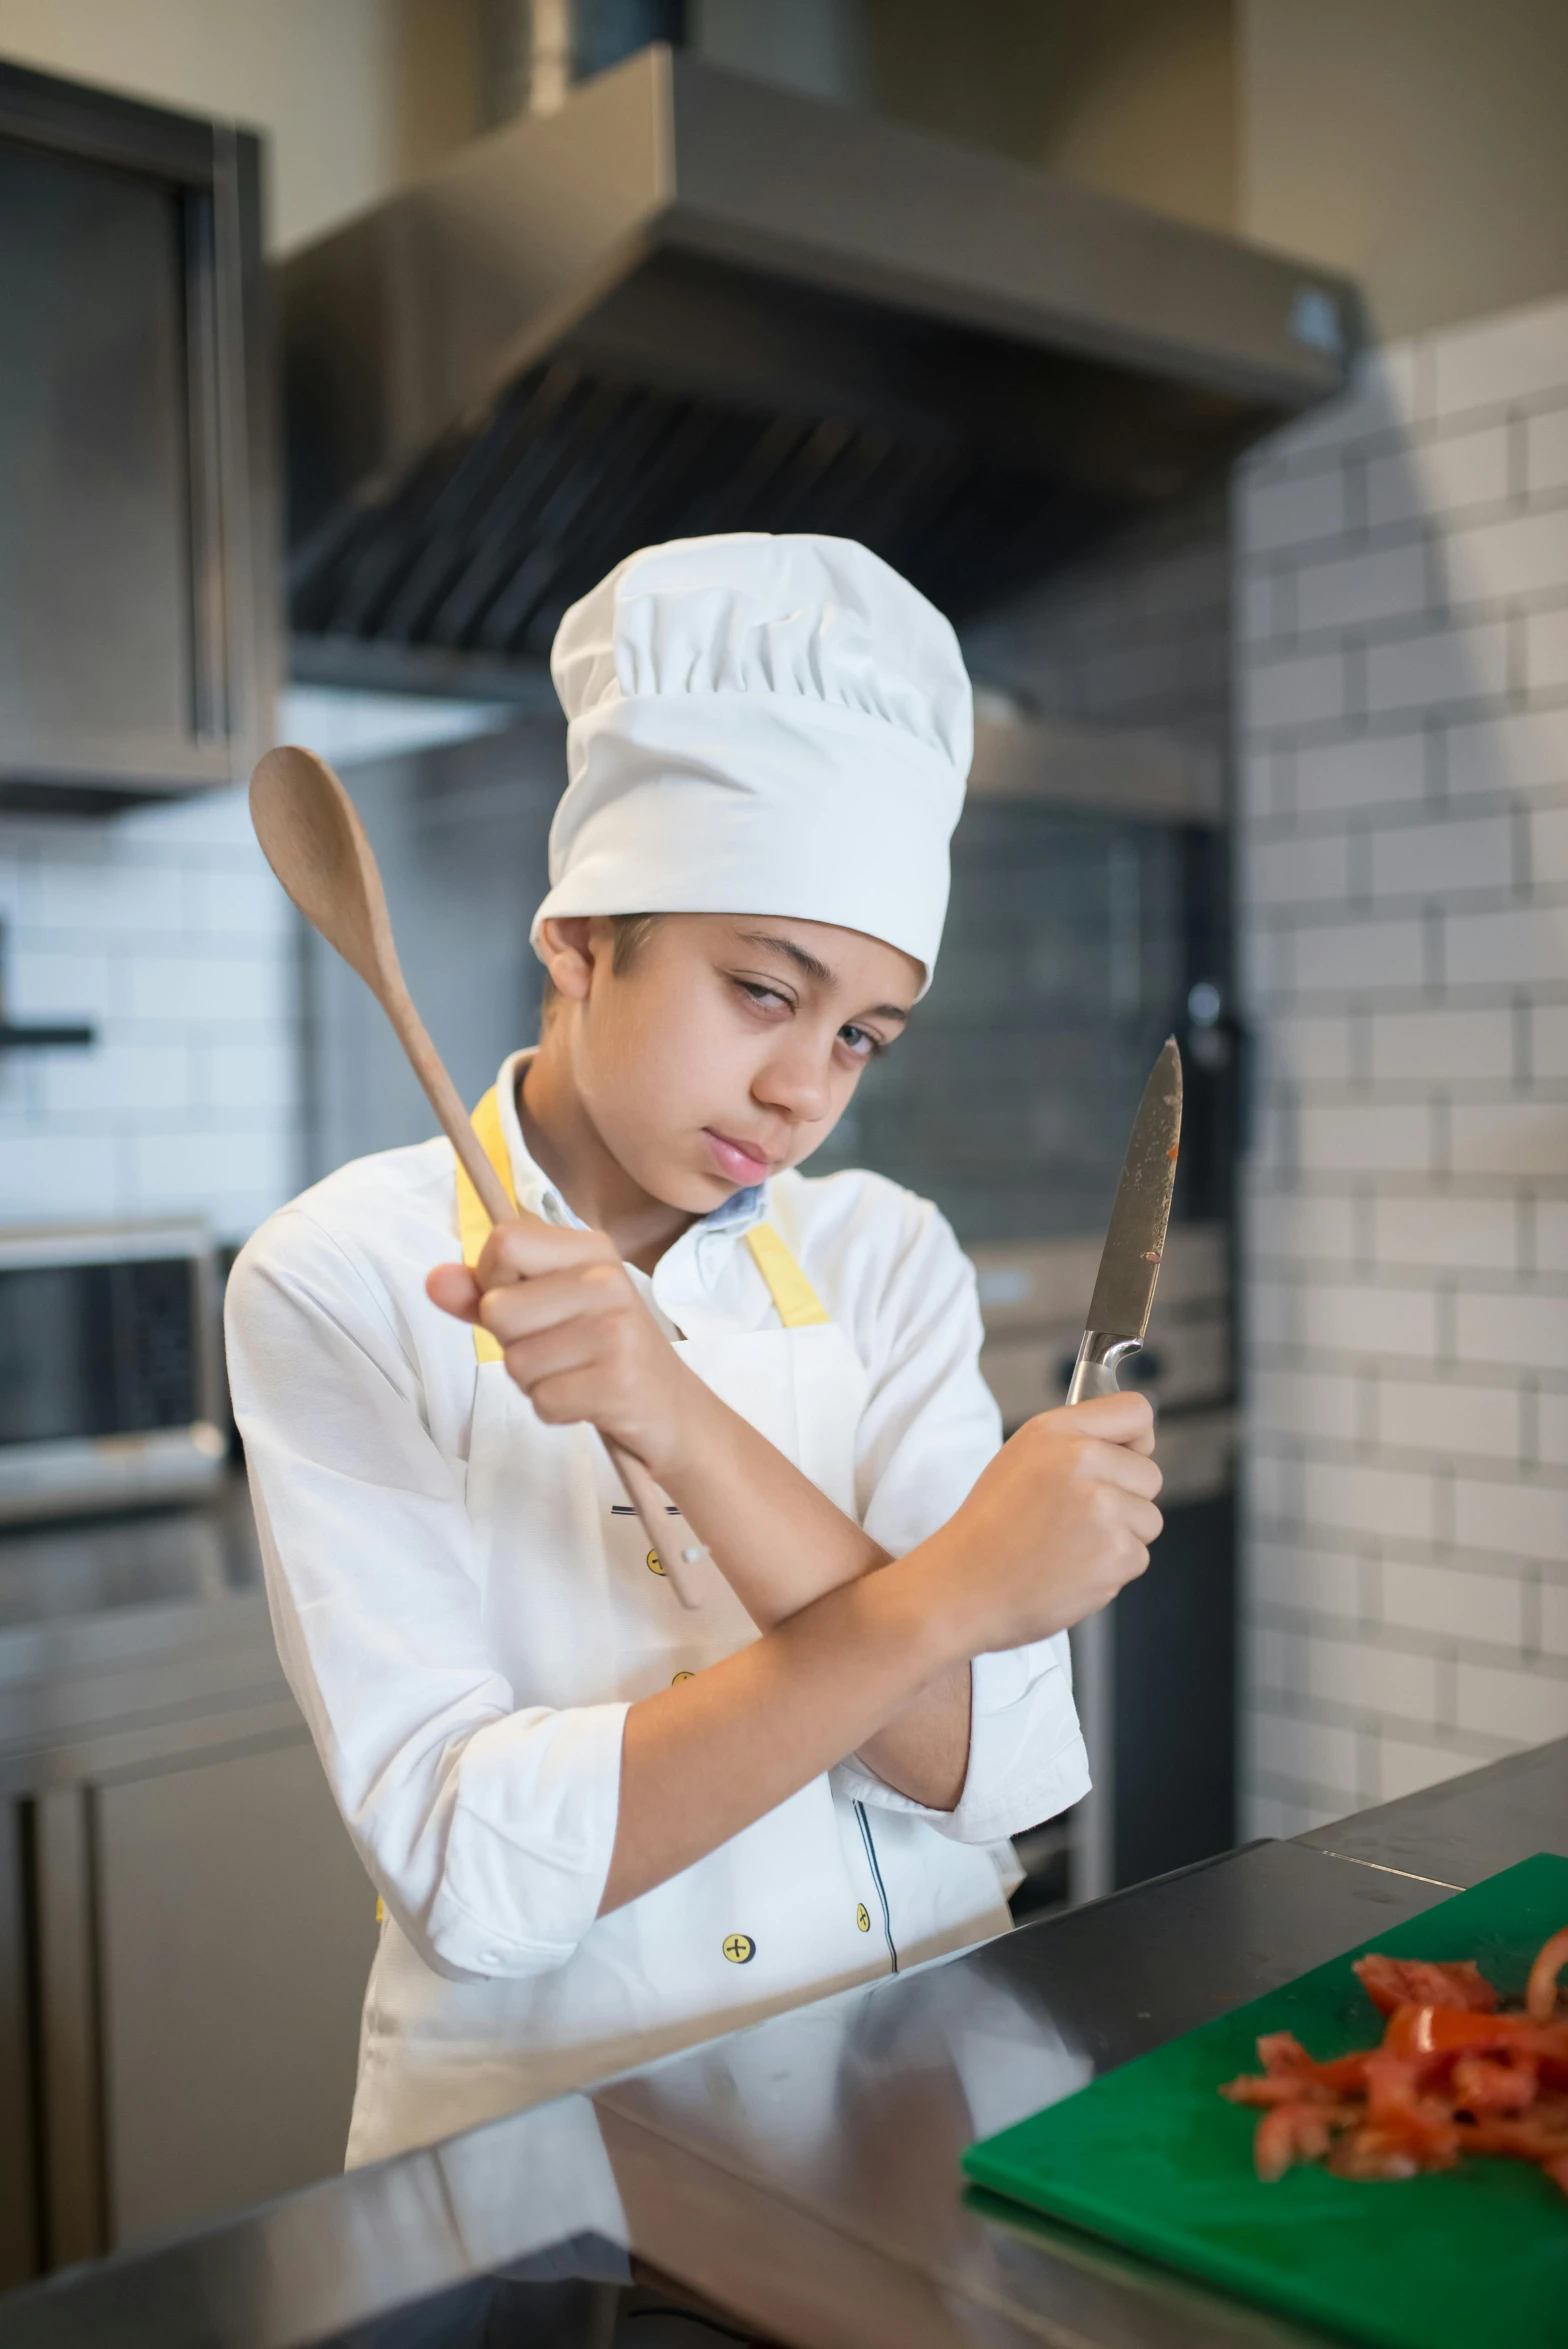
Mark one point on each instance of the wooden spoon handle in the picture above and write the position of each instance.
(455, 1123)
(676, 1556)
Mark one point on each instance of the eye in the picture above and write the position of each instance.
(861, 1042)
(765, 998)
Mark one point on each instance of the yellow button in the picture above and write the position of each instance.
(381, 1910)
(680, 1676)
(654, 1566)
(863, 1918)
(739, 1948)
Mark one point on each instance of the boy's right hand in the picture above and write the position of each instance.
(1053, 1528)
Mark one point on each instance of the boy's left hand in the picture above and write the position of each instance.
(576, 1337)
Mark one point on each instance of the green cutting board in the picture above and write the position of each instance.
(1152, 2156)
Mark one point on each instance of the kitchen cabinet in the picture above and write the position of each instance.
(18, 2211)
(139, 576)
(200, 1931)
(235, 1928)
(185, 1928)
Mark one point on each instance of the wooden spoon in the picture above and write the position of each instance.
(312, 837)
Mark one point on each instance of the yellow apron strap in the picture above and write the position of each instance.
(472, 1222)
(797, 1301)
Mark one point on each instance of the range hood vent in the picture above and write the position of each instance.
(690, 301)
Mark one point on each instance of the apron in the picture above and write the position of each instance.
(821, 1893)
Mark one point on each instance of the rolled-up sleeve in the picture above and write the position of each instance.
(487, 1827)
(1026, 1752)
(929, 1427)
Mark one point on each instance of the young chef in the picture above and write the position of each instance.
(603, 1827)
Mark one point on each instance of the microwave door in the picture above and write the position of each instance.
(104, 1383)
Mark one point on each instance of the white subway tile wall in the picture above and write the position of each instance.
(1402, 672)
(164, 928)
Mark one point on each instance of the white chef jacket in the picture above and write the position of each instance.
(463, 1607)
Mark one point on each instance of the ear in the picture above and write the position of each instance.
(569, 954)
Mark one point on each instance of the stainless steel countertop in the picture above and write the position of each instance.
(1468, 1828)
(804, 2174)
(134, 1633)
(79, 1570)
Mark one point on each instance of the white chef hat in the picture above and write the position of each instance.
(760, 725)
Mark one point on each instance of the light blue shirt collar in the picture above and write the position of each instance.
(536, 1193)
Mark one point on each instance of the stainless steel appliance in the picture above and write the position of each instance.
(138, 563)
(1154, 1675)
(690, 301)
(111, 1384)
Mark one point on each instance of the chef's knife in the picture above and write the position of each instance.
(1118, 1317)
(1130, 1266)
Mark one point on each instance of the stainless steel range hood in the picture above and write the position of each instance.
(691, 301)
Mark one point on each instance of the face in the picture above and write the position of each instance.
(729, 1048)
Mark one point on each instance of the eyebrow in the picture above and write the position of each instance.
(812, 967)
(803, 960)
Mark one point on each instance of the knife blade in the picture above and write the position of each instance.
(1135, 1241)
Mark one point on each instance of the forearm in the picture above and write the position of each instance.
(1052, 1529)
(924, 1750)
(703, 1760)
(781, 1544)
(778, 1541)
(579, 1342)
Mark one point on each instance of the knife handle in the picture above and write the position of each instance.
(1099, 1358)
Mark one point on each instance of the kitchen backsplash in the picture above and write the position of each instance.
(1063, 970)
(163, 928)
(1134, 633)
(1072, 935)
(1402, 673)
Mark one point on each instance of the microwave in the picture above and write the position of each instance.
(111, 1384)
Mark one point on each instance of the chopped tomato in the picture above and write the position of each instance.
(1282, 2051)
(1522, 2139)
(1367, 2153)
(1420, 2031)
(1274, 2142)
(1394, 1982)
(1540, 1999)
(1347, 2074)
(1276, 2088)
(1423, 2125)
(1292, 2133)
(1489, 2084)
(1452, 2076)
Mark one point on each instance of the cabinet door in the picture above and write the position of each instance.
(235, 1932)
(18, 2214)
(1174, 1774)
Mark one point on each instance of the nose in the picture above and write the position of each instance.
(795, 1079)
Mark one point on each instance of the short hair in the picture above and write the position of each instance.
(629, 935)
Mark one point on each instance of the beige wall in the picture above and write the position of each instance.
(1133, 96)
(354, 94)
(1142, 103)
(1420, 144)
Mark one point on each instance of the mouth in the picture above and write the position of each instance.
(738, 1162)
